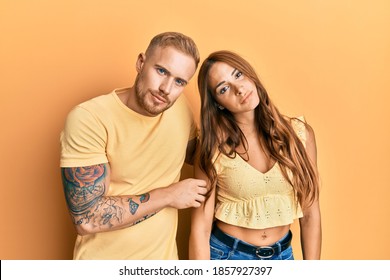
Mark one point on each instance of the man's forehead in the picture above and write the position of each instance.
(173, 60)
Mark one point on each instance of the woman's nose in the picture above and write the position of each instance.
(239, 90)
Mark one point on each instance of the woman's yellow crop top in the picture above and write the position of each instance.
(249, 198)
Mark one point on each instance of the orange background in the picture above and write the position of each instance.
(327, 60)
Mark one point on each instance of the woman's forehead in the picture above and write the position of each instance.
(219, 72)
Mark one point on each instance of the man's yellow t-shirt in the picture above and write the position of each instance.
(144, 153)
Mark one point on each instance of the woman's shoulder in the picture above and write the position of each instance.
(302, 128)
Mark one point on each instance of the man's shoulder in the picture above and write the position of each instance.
(182, 105)
(91, 108)
(100, 100)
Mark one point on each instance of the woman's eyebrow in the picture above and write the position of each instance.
(220, 83)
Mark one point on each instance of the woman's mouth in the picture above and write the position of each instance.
(246, 97)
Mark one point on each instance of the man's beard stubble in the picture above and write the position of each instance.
(142, 99)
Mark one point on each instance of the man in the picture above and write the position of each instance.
(122, 154)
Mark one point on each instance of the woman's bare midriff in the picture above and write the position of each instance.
(257, 237)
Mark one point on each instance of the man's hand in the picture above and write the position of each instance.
(187, 193)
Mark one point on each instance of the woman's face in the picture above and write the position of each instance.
(232, 89)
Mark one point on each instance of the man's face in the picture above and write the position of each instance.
(162, 76)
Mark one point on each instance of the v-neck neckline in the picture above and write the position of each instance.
(252, 167)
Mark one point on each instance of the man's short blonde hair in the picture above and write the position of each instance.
(177, 40)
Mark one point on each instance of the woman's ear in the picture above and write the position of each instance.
(219, 106)
(140, 62)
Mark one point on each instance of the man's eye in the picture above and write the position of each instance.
(180, 82)
(161, 71)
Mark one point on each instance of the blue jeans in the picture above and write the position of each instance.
(219, 250)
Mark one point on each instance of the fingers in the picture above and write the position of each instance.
(189, 193)
(202, 190)
(201, 186)
(200, 183)
(201, 193)
(196, 204)
(200, 198)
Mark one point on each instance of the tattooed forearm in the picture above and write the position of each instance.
(144, 218)
(90, 209)
(111, 212)
(144, 197)
(133, 206)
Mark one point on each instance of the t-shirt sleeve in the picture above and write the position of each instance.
(194, 130)
(83, 140)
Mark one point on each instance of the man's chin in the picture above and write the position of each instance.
(156, 110)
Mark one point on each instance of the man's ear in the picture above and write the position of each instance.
(140, 62)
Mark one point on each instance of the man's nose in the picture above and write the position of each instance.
(166, 85)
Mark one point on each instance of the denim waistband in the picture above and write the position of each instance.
(260, 251)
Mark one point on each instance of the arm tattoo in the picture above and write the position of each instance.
(110, 211)
(144, 218)
(84, 188)
(133, 206)
(144, 197)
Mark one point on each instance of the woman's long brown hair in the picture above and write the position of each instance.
(221, 134)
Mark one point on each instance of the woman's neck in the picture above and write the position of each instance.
(246, 123)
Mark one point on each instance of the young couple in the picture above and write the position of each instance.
(254, 168)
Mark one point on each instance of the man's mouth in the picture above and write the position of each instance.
(159, 98)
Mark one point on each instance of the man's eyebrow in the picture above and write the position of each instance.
(160, 66)
(169, 73)
(184, 81)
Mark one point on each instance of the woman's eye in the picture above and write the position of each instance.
(238, 74)
(223, 90)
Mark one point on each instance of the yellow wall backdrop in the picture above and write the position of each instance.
(327, 60)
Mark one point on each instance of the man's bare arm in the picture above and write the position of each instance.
(93, 211)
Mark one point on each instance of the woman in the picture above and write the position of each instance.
(260, 167)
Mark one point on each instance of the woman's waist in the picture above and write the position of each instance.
(257, 237)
